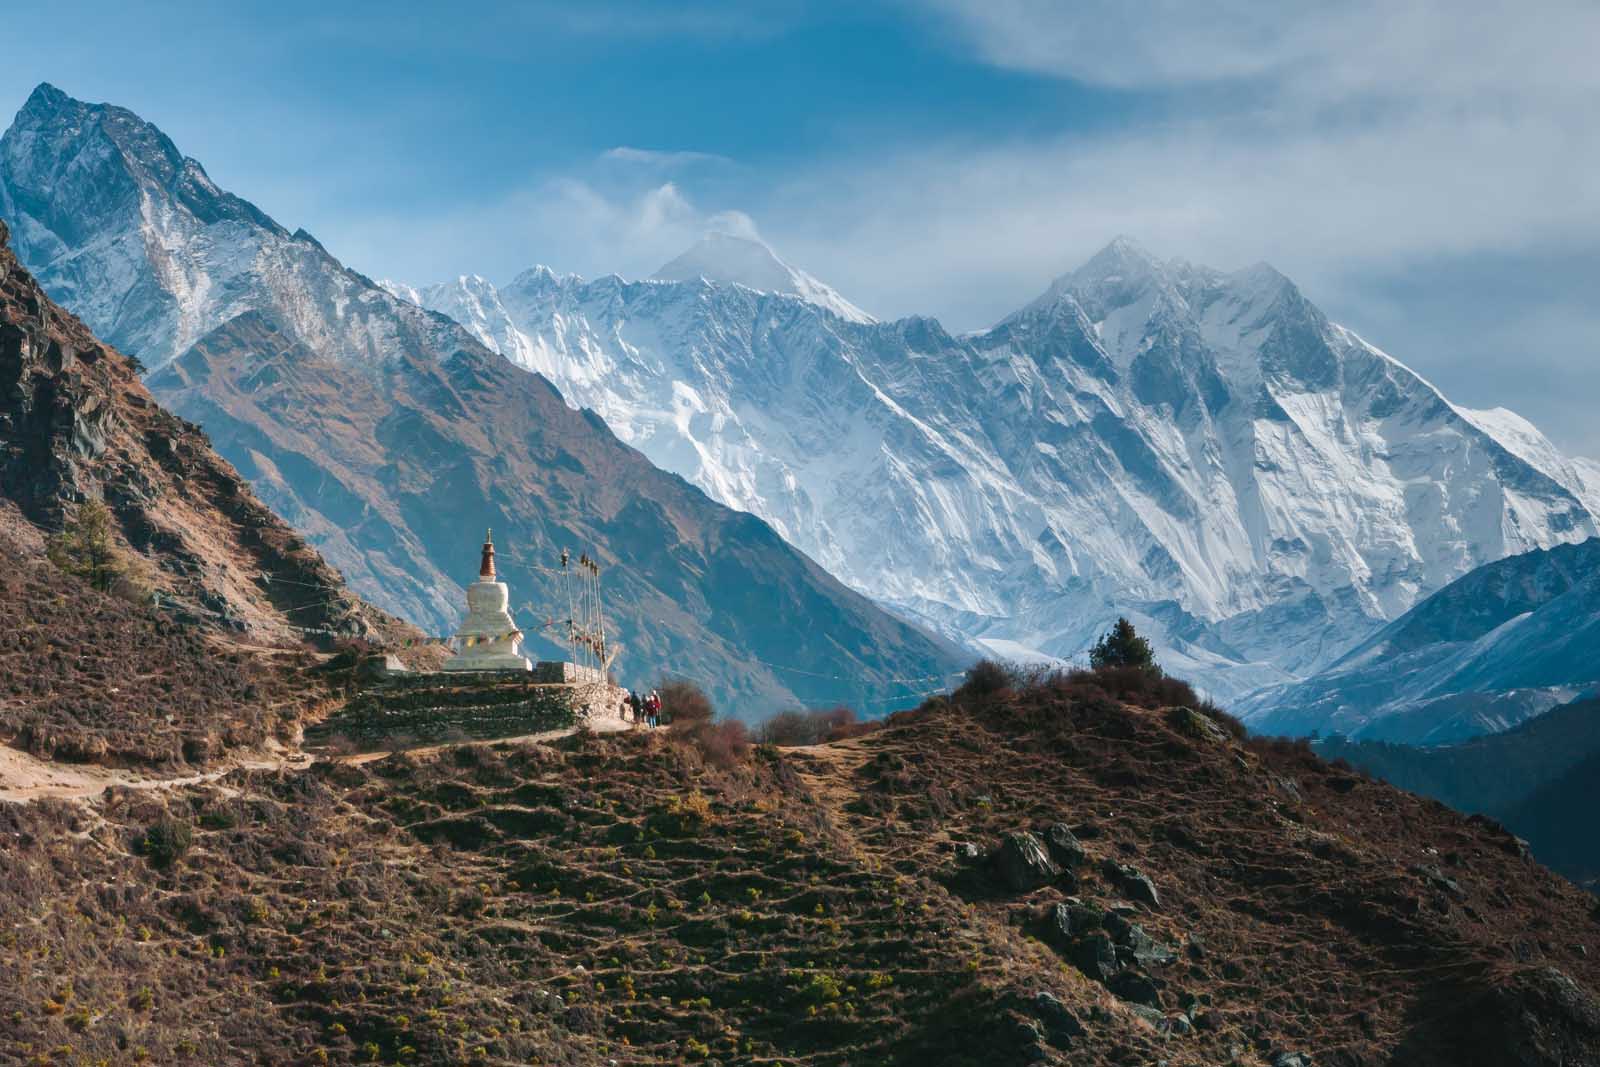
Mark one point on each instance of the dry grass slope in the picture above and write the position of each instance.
(619, 898)
(88, 677)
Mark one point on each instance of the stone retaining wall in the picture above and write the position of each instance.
(431, 708)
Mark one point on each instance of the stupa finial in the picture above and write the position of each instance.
(486, 569)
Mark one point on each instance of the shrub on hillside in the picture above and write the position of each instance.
(684, 703)
(723, 744)
(1143, 685)
(687, 709)
(793, 728)
(87, 548)
(1137, 685)
(986, 678)
(166, 840)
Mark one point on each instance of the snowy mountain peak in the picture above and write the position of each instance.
(102, 204)
(115, 145)
(731, 259)
(44, 99)
(401, 291)
(536, 273)
(1114, 276)
(1124, 259)
(1200, 448)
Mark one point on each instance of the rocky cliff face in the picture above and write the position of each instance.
(1259, 486)
(391, 437)
(76, 423)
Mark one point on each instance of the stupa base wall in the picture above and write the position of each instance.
(492, 662)
(407, 710)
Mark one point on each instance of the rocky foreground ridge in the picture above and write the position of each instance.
(76, 423)
(1063, 873)
(181, 669)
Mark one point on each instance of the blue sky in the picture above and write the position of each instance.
(1426, 170)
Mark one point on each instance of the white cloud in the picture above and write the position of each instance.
(968, 230)
(641, 230)
(1441, 48)
(1325, 138)
(1348, 144)
(569, 224)
(651, 158)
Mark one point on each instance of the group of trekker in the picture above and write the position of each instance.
(645, 710)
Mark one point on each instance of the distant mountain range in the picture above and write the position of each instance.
(1259, 487)
(1541, 778)
(392, 437)
(1500, 645)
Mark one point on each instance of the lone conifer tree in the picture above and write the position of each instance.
(85, 547)
(1121, 646)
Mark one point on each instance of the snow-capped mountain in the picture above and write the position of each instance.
(735, 260)
(1260, 486)
(1500, 645)
(133, 236)
(391, 437)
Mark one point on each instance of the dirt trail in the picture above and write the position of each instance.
(25, 778)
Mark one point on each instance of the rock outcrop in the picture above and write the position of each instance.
(76, 424)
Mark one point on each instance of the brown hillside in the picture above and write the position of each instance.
(396, 465)
(88, 677)
(616, 900)
(76, 424)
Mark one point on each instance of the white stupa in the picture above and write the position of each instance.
(488, 639)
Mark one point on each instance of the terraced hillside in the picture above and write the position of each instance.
(1046, 874)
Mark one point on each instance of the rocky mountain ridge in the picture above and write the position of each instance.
(1259, 486)
(77, 424)
(136, 239)
(1500, 645)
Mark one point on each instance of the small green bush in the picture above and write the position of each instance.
(166, 840)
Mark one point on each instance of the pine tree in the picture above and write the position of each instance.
(86, 548)
(1121, 646)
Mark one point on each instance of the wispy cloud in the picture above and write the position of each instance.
(568, 223)
(1332, 135)
(643, 230)
(1365, 148)
(661, 160)
(1362, 48)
